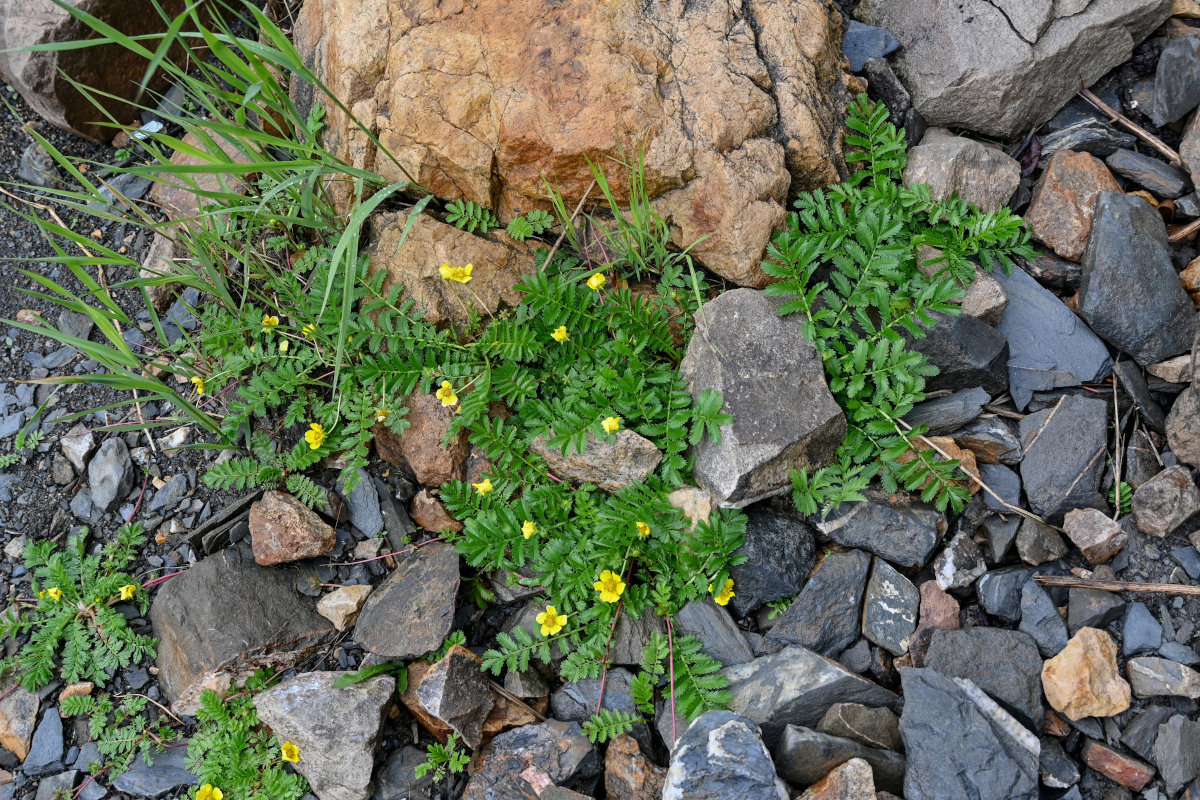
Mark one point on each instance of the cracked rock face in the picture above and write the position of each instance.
(1002, 66)
(734, 103)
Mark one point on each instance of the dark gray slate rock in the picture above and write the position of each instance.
(1140, 631)
(1140, 734)
(631, 635)
(1000, 533)
(1188, 205)
(456, 691)
(1049, 347)
(1064, 458)
(397, 780)
(1058, 770)
(1038, 543)
(169, 495)
(721, 756)
(1133, 384)
(1092, 608)
(1089, 135)
(1188, 558)
(961, 747)
(1177, 752)
(1005, 664)
(110, 474)
(1130, 294)
(825, 615)
(1053, 272)
(522, 762)
(167, 773)
(207, 626)
(57, 786)
(410, 613)
(1041, 621)
(999, 592)
(966, 352)
(796, 687)
(1177, 82)
(904, 533)
(1005, 483)
(948, 414)
(1183, 427)
(363, 504)
(884, 87)
(576, 701)
(46, 752)
(861, 43)
(1160, 178)
(960, 564)
(992, 440)
(890, 609)
(718, 635)
(741, 344)
(877, 728)
(804, 756)
(1179, 652)
(779, 549)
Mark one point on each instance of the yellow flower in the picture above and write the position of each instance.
(642, 528)
(309, 330)
(485, 487)
(560, 334)
(723, 597)
(528, 529)
(446, 394)
(381, 414)
(596, 281)
(284, 345)
(269, 322)
(127, 590)
(611, 424)
(551, 621)
(460, 274)
(290, 752)
(209, 792)
(198, 382)
(315, 435)
(610, 586)
(54, 593)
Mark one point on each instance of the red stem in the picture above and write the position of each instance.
(79, 789)
(671, 656)
(386, 555)
(161, 579)
(138, 504)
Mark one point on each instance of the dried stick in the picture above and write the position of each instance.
(1185, 231)
(1070, 582)
(575, 213)
(1133, 127)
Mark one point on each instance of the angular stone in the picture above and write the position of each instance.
(1177, 82)
(1001, 533)
(206, 629)
(960, 744)
(1183, 427)
(631, 635)
(1049, 347)
(1092, 608)
(1064, 456)
(1096, 535)
(939, 610)
(1129, 772)
(1167, 502)
(1141, 733)
(890, 609)
(1041, 620)
(46, 750)
(410, 613)
(1140, 631)
(825, 615)
(505, 714)
(577, 701)
(797, 687)
(18, 718)
(960, 564)
(428, 512)
(874, 727)
(341, 606)
(524, 762)
(396, 779)
(77, 445)
(1064, 201)
(849, 781)
(168, 772)
(1131, 381)
(1004, 482)
(966, 352)
(629, 775)
(992, 440)
(722, 749)
(1083, 681)
(780, 550)
(718, 635)
(948, 414)
(1088, 135)
(1189, 154)
(336, 730)
(1162, 677)
(1005, 664)
(110, 474)
(1177, 752)
(612, 466)
(741, 341)
(456, 691)
(282, 529)
(421, 445)
(976, 172)
(861, 43)
(895, 529)
(805, 756)
(999, 591)
(1160, 178)
(978, 68)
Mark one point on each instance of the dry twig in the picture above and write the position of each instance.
(1071, 582)
(1132, 127)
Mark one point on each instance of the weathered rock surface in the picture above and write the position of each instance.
(282, 529)
(711, 624)
(1005, 664)
(1002, 68)
(341, 606)
(805, 756)
(740, 343)
(1064, 456)
(1183, 427)
(1177, 752)
(421, 444)
(410, 613)
(1083, 681)
(1153, 677)
(336, 730)
(1168, 501)
(966, 352)
(721, 755)
(1129, 772)
(948, 414)
(524, 762)
(18, 718)
(1176, 82)
(456, 691)
(612, 466)
(900, 531)
(1041, 620)
(825, 616)
(457, 702)
(1096, 535)
(976, 172)
(110, 474)
(780, 551)
(485, 102)
(206, 629)
(1064, 201)
(1163, 180)
(960, 564)
(890, 609)
(874, 727)
(629, 775)
(850, 781)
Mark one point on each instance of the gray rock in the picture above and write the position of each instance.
(1041, 620)
(999, 591)
(628, 459)
(1097, 535)
(874, 727)
(958, 744)
(1052, 272)
(1092, 608)
(207, 629)
(523, 762)
(1188, 205)
(1168, 502)
(966, 352)
(993, 440)
(740, 343)
(884, 87)
(1065, 448)
(18, 718)
(410, 613)
(1188, 558)
(59, 357)
(396, 779)
(1005, 664)
(1038, 543)
(960, 564)
(46, 752)
(577, 701)
(1140, 631)
(1130, 294)
(74, 323)
(170, 494)
(1141, 733)
(166, 774)
(336, 730)
(631, 635)
(1133, 383)
(1177, 752)
(1003, 68)
(1180, 653)
(1177, 82)
(948, 414)
(825, 615)
(1001, 533)
(976, 172)
(861, 43)
(76, 445)
(1049, 347)
(780, 550)
(890, 609)
(1058, 770)
(1183, 427)
(1149, 676)
(805, 756)
(37, 167)
(363, 505)
(456, 691)
(902, 532)
(110, 474)
(1160, 178)
(797, 687)
(1005, 483)
(721, 755)
(718, 635)
(1141, 460)
(1090, 135)
(57, 786)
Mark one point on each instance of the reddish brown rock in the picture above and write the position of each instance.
(629, 775)
(428, 512)
(176, 194)
(1083, 679)
(851, 780)
(505, 714)
(421, 445)
(18, 718)
(1129, 772)
(1097, 536)
(1064, 201)
(612, 466)
(283, 529)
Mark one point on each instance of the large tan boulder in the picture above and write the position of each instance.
(735, 103)
(110, 69)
